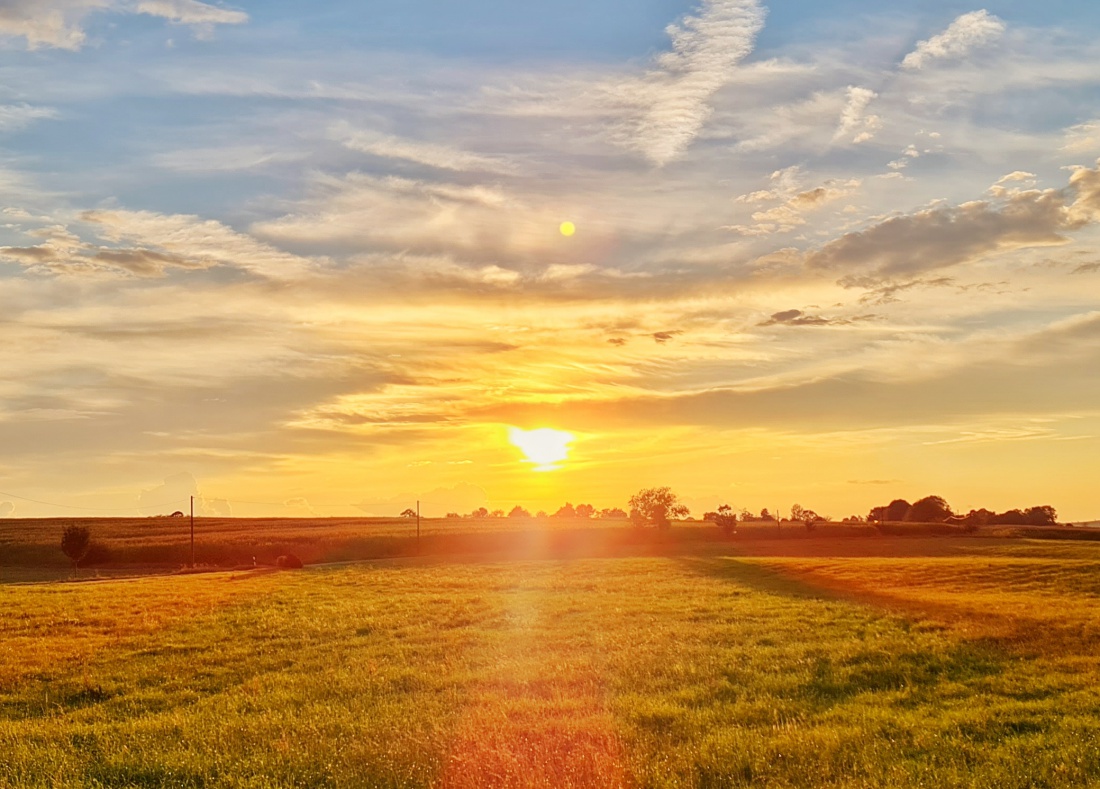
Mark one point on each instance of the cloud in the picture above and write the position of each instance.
(663, 337)
(797, 318)
(968, 32)
(855, 124)
(190, 12)
(672, 102)
(59, 23)
(461, 498)
(945, 236)
(7, 509)
(18, 116)
(797, 202)
(442, 157)
(191, 242)
(174, 494)
(1083, 138)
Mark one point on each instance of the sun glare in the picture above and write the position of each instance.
(545, 448)
(568, 229)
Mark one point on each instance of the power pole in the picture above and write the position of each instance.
(418, 527)
(192, 532)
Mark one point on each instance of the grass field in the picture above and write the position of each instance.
(867, 662)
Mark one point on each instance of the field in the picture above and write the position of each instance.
(816, 661)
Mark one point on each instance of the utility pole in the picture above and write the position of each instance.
(418, 527)
(192, 532)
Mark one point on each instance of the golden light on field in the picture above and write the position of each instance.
(568, 229)
(545, 447)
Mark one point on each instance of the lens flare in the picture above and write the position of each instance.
(544, 448)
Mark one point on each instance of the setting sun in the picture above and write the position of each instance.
(568, 229)
(545, 447)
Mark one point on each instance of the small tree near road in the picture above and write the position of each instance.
(656, 506)
(75, 541)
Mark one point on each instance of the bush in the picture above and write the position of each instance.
(289, 562)
(98, 554)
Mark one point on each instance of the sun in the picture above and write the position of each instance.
(567, 229)
(545, 448)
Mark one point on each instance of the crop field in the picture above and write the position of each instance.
(934, 662)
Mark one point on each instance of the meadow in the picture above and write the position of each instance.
(813, 661)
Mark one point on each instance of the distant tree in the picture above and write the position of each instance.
(1042, 516)
(876, 515)
(480, 512)
(807, 518)
(930, 509)
(612, 512)
(496, 514)
(1011, 518)
(765, 515)
(895, 510)
(585, 510)
(409, 513)
(541, 514)
(519, 512)
(75, 541)
(723, 518)
(566, 511)
(453, 515)
(656, 506)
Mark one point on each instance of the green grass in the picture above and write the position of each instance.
(969, 667)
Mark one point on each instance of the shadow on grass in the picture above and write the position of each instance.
(756, 577)
(912, 668)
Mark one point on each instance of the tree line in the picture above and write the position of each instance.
(934, 509)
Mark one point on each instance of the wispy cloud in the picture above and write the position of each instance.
(443, 157)
(672, 102)
(965, 34)
(60, 23)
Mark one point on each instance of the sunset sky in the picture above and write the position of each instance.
(309, 258)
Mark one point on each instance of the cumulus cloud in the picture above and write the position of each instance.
(672, 102)
(944, 236)
(461, 498)
(967, 33)
(60, 23)
(174, 494)
(7, 509)
(855, 124)
(794, 202)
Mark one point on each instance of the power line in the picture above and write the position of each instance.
(141, 505)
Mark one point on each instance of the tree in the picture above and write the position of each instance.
(409, 513)
(806, 517)
(480, 512)
(930, 509)
(724, 518)
(519, 512)
(1045, 515)
(613, 512)
(585, 510)
(75, 541)
(656, 506)
(496, 514)
(895, 510)
(566, 512)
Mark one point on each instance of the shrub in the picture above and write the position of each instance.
(289, 562)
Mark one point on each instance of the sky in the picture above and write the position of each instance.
(308, 259)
